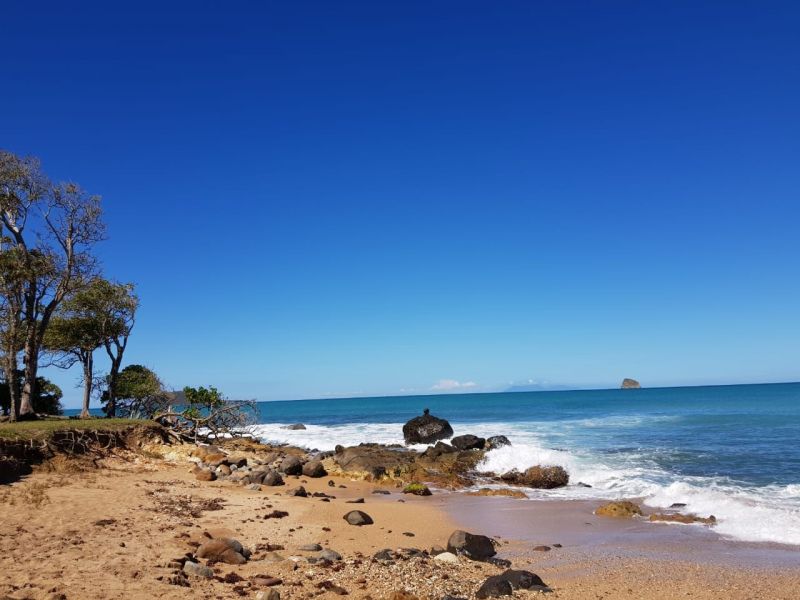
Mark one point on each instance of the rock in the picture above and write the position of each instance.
(468, 442)
(356, 501)
(436, 550)
(372, 461)
(678, 505)
(686, 519)
(295, 427)
(198, 570)
(271, 594)
(205, 475)
(330, 555)
(314, 468)
(426, 429)
(621, 508)
(476, 547)
(494, 587)
(358, 517)
(496, 441)
(266, 580)
(434, 452)
(291, 465)
(538, 477)
(498, 492)
(524, 580)
(272, 478)
(256, 487)
(418, 489)
(224, 470)
(630, 384)
(225, 550)
(381, 492)
(542, 548)
(298, 491)
(310, 548)
(449, 597)
(446, 557)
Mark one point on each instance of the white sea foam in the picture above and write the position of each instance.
(767, 514)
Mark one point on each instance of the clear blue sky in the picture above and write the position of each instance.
(334, 198)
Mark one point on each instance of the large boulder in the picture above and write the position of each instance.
(538, 477)
(468, 442)
(224, 550)
(630, 384)
(291, 465)
(294, 427)
(426, 429)
(476, 547)
(272, 478)
(314, 468)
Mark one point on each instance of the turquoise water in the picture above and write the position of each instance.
(732, 451)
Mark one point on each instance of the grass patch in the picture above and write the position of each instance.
(33, 430)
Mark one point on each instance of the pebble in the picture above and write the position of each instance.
(198, 570)
(446, 557)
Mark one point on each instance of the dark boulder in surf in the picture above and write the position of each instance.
(426, 429)
(468, 442)
(496, 441)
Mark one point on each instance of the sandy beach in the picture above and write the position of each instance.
(124, 529)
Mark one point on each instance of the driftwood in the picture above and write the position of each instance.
(227, 419)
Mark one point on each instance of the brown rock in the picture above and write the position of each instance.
(687, 519)
(619, 509)
(205, 475)
(225, 550)
(498, 492)
(538, 477)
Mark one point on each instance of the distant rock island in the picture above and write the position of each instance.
(630, 384)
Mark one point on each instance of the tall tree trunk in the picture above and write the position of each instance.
(113, 374)
(31, 365)
(88, 379)
(12, 379)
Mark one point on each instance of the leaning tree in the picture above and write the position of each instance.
(48, 231)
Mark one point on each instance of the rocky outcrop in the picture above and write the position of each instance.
(426, 429)
(686, 519)
(619, 509)
(295, 427)
(524, 580)
(538, 477)
(468, 442)
(630, 384)
(476, 547)
(436, 451)
(372, 461)
(498, 492)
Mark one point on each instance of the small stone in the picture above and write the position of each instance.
(255, 487)
(494, 587)
(330, 555)
(310, 548)
(198, 570)
(268, 595)
(356, 501)
(446, 557)
(542, 548)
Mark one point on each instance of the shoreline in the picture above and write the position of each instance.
(120, 529)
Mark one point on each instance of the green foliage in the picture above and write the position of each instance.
(140, 393)
(201, 401)
(46, 400)
(48, 397)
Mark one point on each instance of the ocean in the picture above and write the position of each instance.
(730, 451)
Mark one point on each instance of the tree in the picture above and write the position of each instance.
(98, 314)
(140, 393)
(47, 400)
(51, 230)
